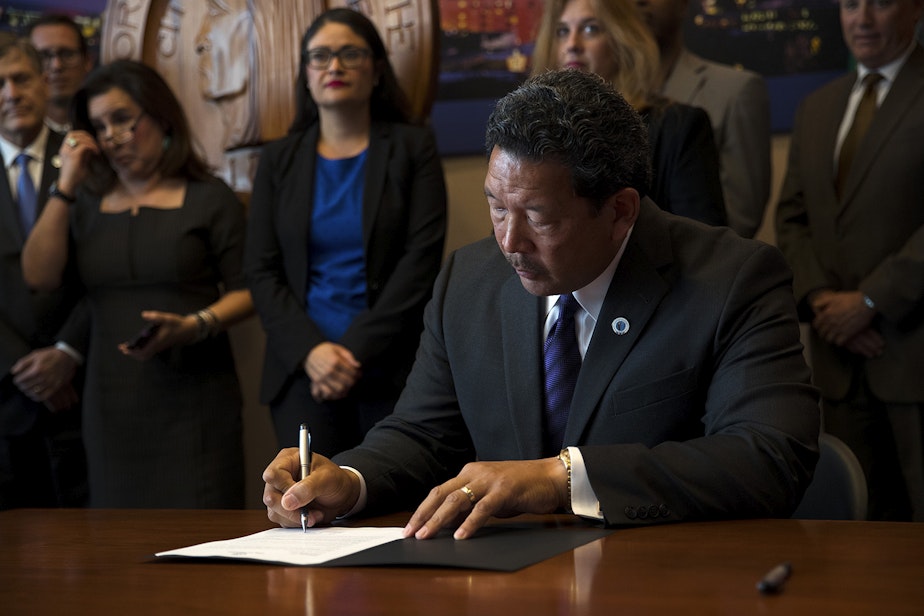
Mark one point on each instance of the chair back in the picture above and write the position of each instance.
(838, 489)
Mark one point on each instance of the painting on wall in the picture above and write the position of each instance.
(486, 47)
(795, 44)
(17, 15)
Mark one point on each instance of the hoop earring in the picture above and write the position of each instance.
(165, 144)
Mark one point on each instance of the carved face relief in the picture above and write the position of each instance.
(224, 49)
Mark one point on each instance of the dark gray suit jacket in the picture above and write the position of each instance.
(702, 410)
(872, 238)
(739, 108)
(404, 227)
(29, 320)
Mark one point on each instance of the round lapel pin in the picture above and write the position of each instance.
(621, 326)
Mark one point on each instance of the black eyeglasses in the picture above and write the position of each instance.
(120, 133)
(350, 57)
(67, 57)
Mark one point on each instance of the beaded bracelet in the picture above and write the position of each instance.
(207, 322)
(565, 457)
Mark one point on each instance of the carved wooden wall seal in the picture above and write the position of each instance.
(233, 63)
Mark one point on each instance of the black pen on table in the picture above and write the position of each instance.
(304, 459)
(773, 581)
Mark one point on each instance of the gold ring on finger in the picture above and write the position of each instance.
(468, 492)
(71, 142)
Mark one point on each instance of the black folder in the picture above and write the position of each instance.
(499, 547)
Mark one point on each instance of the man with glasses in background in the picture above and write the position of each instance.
(66, 60)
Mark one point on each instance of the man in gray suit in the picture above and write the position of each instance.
(854, 235)
(692, 400)
(41, 458)
(738, 107)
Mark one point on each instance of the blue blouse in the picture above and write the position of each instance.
(337, 270)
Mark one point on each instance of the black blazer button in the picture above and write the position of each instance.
(630, 513)
(642, 512)
(665, 512)
(653, 511)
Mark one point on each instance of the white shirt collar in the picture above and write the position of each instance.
(36, 149)
(888, 71)
(591, 296)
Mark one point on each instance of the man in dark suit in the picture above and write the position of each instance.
(854, 236)
(692, 400)
(41, 460)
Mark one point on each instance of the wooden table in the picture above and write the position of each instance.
(101, 562)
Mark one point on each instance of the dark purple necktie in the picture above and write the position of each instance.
(562, 361)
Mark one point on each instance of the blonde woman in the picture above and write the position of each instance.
(608, 37)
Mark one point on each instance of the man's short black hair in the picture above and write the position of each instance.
(580, 121)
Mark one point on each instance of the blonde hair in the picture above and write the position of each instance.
(631, 42)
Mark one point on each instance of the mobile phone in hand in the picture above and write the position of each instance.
(142, 338)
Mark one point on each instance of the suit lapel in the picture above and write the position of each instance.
(633, 295)
(902, 97)
(521, 326)
(817, 147)
(295, 206)
(379, 154)
(50, 167)
(687, 79)
(9, 214)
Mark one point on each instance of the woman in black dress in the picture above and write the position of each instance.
(158, 243)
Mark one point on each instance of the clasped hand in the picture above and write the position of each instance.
(842, 318)
(44, 375)
(333, 371)
(499, 489)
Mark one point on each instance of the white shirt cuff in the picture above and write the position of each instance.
(363, 496)
(584, 501)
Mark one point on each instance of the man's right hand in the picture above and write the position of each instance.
(329, 491)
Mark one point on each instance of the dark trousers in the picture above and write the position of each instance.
(888, 440)
(46, 465)
(335, 425)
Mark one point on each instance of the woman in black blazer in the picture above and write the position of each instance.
(610, 39)
(345, 238)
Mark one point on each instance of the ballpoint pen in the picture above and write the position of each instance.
(304, 459)
(773, 581)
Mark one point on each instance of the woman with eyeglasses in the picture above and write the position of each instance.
(609, 38)
(157, 242)
(344, 239)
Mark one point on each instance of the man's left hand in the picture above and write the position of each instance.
(43, 372)
(500, 489)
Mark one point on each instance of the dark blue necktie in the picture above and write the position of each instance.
(562, 361)
(25, 191)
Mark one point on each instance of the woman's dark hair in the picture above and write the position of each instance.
(150, 92)
(388, 102)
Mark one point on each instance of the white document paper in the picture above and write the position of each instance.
(292, 545)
